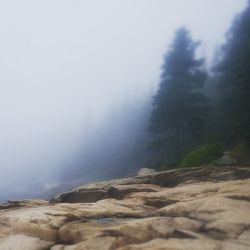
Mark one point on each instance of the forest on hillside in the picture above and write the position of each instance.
(198, 113)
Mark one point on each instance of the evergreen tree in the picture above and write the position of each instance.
(179, 107)
(234, 72)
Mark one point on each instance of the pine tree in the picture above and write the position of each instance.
(234, 72)
(179, 107)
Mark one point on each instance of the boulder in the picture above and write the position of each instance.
(146, 171)
(226, 160)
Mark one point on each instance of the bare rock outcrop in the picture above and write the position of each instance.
(203, 208)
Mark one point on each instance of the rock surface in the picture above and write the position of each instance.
(201, 208)
(146, 171)
(226, 160)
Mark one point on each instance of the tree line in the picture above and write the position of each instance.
(195, 106)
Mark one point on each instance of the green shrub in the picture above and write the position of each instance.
(203, 155)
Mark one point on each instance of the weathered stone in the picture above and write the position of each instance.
(146, 171)
(13, 242)
(110, 191)
(22, 203)
(172, 178)
(226, 160)
(127, 229)
(103, 243)
(186, 244)
(207, 212)
(120, 191)
(150, 183)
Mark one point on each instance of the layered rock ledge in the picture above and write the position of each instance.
(201, 208)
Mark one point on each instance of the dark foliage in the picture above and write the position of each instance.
(233, 73)
(180, 108)
(203, 155)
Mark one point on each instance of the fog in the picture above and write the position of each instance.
(77, 78)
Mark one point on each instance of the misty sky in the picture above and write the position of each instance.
(65, 65)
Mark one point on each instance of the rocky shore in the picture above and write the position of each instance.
(198, 208)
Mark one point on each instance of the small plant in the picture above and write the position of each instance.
(203, 155)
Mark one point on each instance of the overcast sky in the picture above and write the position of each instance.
(65, 64)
